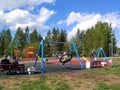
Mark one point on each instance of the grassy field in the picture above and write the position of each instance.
(107, 78)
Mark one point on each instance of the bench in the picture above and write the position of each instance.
(12, 68)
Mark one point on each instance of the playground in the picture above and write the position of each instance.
(63, 63)
(54, 66)
(106, 78)
(63, 73)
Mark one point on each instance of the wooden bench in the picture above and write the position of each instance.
(12, 68)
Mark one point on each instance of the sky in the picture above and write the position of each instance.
(70, 15)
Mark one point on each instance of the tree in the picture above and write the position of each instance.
(48, 37)
(19, 39)
(62, 38)
(1, 44)
(98, 36)
(33, 36)
(39, 38)
(5, 40)
(79, 41)
(55, 34)
(7, 43)
(118, 51)
(27, 36)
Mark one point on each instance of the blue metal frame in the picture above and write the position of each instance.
(70, 53)
(36, 58)
(80, 61)
(98, 52)
(42, 55)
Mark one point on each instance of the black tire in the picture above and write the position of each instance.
(67, 60)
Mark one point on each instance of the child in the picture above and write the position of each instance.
(65, 58)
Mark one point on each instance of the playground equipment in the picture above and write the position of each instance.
(65, 58)
(103, 61)
(100, 52)
(41, 48)
(89, 64)
(30, 53)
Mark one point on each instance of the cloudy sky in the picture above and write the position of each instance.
(63, 14)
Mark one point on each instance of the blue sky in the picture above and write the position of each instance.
(63, 14)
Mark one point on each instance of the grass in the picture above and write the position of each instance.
(107, 78)
(103, 86)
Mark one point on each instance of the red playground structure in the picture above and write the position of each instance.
(30, 53)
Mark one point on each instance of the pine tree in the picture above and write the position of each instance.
(7, 43)
(27, 36)
(19, 39)
(98, 36)
(33, 36)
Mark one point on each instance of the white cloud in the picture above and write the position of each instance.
(12, 4)
(113, 18)
(44, 15)
(86, 20)
(22, 18)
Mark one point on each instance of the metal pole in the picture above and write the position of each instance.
(80, 61)
(109, 49)
(70, 53)
(111, 45)
(42, 55)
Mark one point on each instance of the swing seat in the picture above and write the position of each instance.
(65, 58)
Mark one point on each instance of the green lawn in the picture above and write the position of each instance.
(107, 78)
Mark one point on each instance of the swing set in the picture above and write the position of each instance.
(61, 59)
(94, 63)
(103, 61)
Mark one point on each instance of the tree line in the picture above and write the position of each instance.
(56, 40)
(99, 36)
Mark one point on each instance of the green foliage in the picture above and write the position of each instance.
(19, 39)
(79, 41)
(118, 51)
(5, 41)
(103, 86)
(95, 37)
(1, 88)
(33, 36)
(27, 36)
(56, 42)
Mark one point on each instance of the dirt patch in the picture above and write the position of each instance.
(109, 79)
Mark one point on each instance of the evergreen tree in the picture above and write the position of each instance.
(19, 39)
(1, 44)
(48, 37)
(7, 43)
(27, 36)
(39, 38)
(79, 40)
(98, 36)
(62, 39)
(55, 34)
(5, 40)
(33, 36)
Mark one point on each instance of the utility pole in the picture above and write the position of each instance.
(112, 45)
